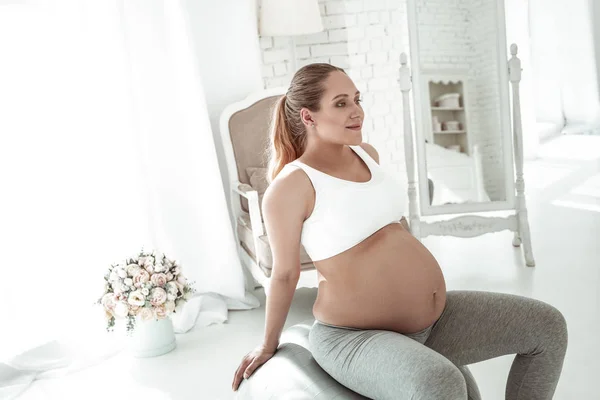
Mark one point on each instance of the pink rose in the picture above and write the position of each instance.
(109, 301)
(159, 279)
(160, 311)
(158, 296)
(141, 278)
(146, 314)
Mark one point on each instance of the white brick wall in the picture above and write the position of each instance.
(460, 34)
(485, 67)
(366, 37)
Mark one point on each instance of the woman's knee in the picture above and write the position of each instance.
(440, 381)
(555, 329)
(559, 327)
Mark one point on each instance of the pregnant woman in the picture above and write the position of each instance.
(385, 326)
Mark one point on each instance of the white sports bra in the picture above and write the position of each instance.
(346, 212)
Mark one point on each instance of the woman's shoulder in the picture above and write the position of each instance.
(371, 151)
(290, 184)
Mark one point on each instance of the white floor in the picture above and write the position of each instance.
(563, 191)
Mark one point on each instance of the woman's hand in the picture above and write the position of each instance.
(250, 363)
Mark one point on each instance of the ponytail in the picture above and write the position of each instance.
(285, 148)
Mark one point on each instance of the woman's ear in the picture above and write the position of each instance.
(306, 117)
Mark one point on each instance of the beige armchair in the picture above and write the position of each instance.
(245, 136)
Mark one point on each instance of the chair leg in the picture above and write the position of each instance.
(526, 236)
(516, 239)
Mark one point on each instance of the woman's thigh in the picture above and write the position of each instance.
(479, 325)
(383, 364)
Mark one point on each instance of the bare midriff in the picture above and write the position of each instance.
(388, 281)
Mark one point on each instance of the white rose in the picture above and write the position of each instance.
(121, 309)
(146, 314)
(117, 286)
(128, 281)
(121, 272)
(150, 268)
(133, 269)
(113, 276)
(170, 306)
(136, 298)
(181, 279)
(158, 296)
(171, 288)
(145, 291)
(171, 296)
(158, 267)
(169, 276)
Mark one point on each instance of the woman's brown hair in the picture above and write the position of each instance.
(288, 133)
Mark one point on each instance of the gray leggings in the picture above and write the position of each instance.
(431, 364)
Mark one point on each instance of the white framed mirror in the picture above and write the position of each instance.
(460, 85)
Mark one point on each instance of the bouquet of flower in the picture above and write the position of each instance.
(147, 286)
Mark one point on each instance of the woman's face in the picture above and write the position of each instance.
(340, 117)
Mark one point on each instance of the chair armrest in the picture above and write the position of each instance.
(255, 215)
(242, 188)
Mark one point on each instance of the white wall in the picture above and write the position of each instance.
(226, 41)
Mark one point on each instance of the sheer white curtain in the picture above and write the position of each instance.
(105, 147)
(564, 70)
(559, 86)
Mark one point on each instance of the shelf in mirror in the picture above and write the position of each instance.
(449, 132)
(447, 108)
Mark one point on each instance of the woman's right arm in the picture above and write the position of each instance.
(285, 205)
(284, 210)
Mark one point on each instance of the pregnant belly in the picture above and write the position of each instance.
(389, 281)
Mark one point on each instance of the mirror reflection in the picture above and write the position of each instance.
(464, 125)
